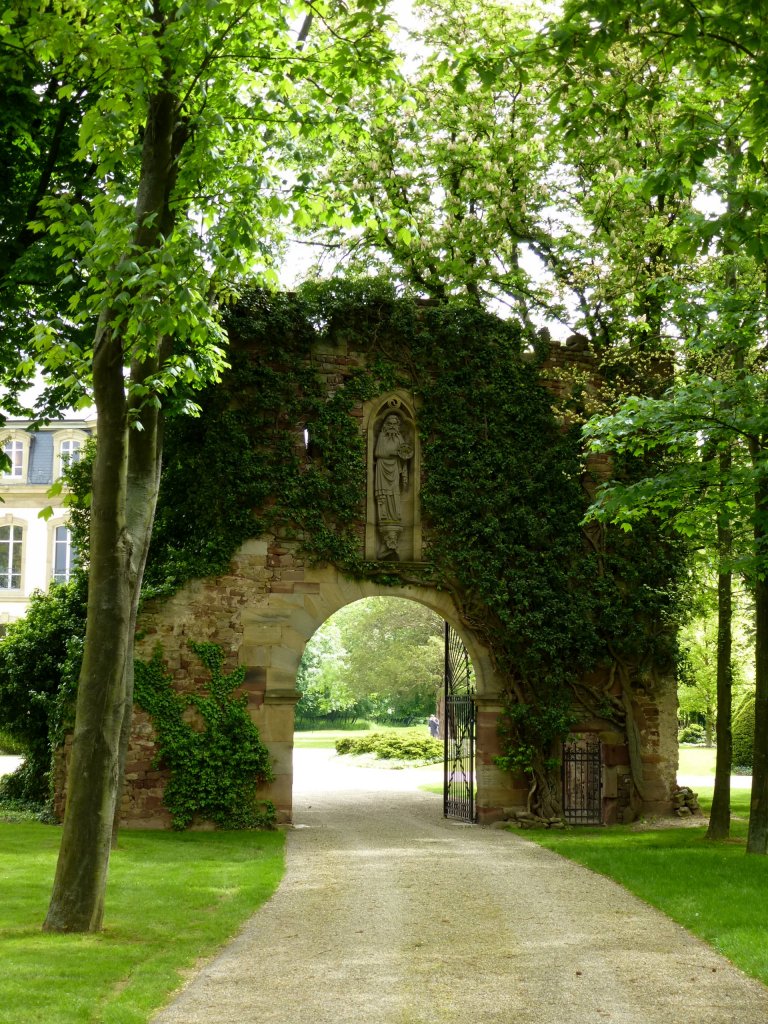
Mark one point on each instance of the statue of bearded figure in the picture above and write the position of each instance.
(391, 456)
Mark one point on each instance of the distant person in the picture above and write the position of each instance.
(434, 726)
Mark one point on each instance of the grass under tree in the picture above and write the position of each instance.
(172, 898)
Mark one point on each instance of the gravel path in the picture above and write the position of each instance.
(388, 914)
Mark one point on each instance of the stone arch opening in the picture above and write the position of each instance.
(274, 639)
(375, 666)
(379, 661)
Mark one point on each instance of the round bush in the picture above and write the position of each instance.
(693, 733)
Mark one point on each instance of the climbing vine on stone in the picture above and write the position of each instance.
(215, 761)
(503, 494)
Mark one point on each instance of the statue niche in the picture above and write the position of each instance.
(393, 483)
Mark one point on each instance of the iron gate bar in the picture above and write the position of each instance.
(458, 727)
(582, 783)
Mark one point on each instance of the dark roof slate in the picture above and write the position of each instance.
(40, 469)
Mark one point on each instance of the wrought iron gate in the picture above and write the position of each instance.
(582, 782)
(458, 727)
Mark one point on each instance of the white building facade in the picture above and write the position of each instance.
(35, 552)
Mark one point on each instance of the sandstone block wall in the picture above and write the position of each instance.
(264, 612)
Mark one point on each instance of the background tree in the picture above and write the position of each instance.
(319, 680)
(39, 664)
(395, 652)
(718, 145)
(449, 191)
(381, 657)
(482, 178)
(192, 114)
(697, 689)
(46, 100)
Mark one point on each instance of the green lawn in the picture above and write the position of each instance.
(696, 761)
(712, 889)
(172, 898)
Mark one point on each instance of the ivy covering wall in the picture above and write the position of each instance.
(216, 761)
(503, 494)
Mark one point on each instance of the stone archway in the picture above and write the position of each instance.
(270, 598)
(264, 614)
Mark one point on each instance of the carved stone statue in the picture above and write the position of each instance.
(391, 456)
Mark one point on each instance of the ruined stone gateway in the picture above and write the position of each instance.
(275, 593)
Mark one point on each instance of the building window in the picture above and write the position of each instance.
(10, 557)
(68, 448)
(64, 555)
(14, 449)
(69, 452)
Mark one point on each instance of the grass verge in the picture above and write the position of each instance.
(711, 888)
(172, 898)
(696, 760)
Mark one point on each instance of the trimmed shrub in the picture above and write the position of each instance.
(693, 733)
(10, 745)
(393, 746)
(743, 729)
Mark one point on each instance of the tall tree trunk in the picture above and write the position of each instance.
(143, 484)
(77, 902)
(757, 837)
(720, 815)
(125, 482)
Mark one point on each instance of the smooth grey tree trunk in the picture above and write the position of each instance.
(77, 902)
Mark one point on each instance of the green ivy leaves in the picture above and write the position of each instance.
(215, 757)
